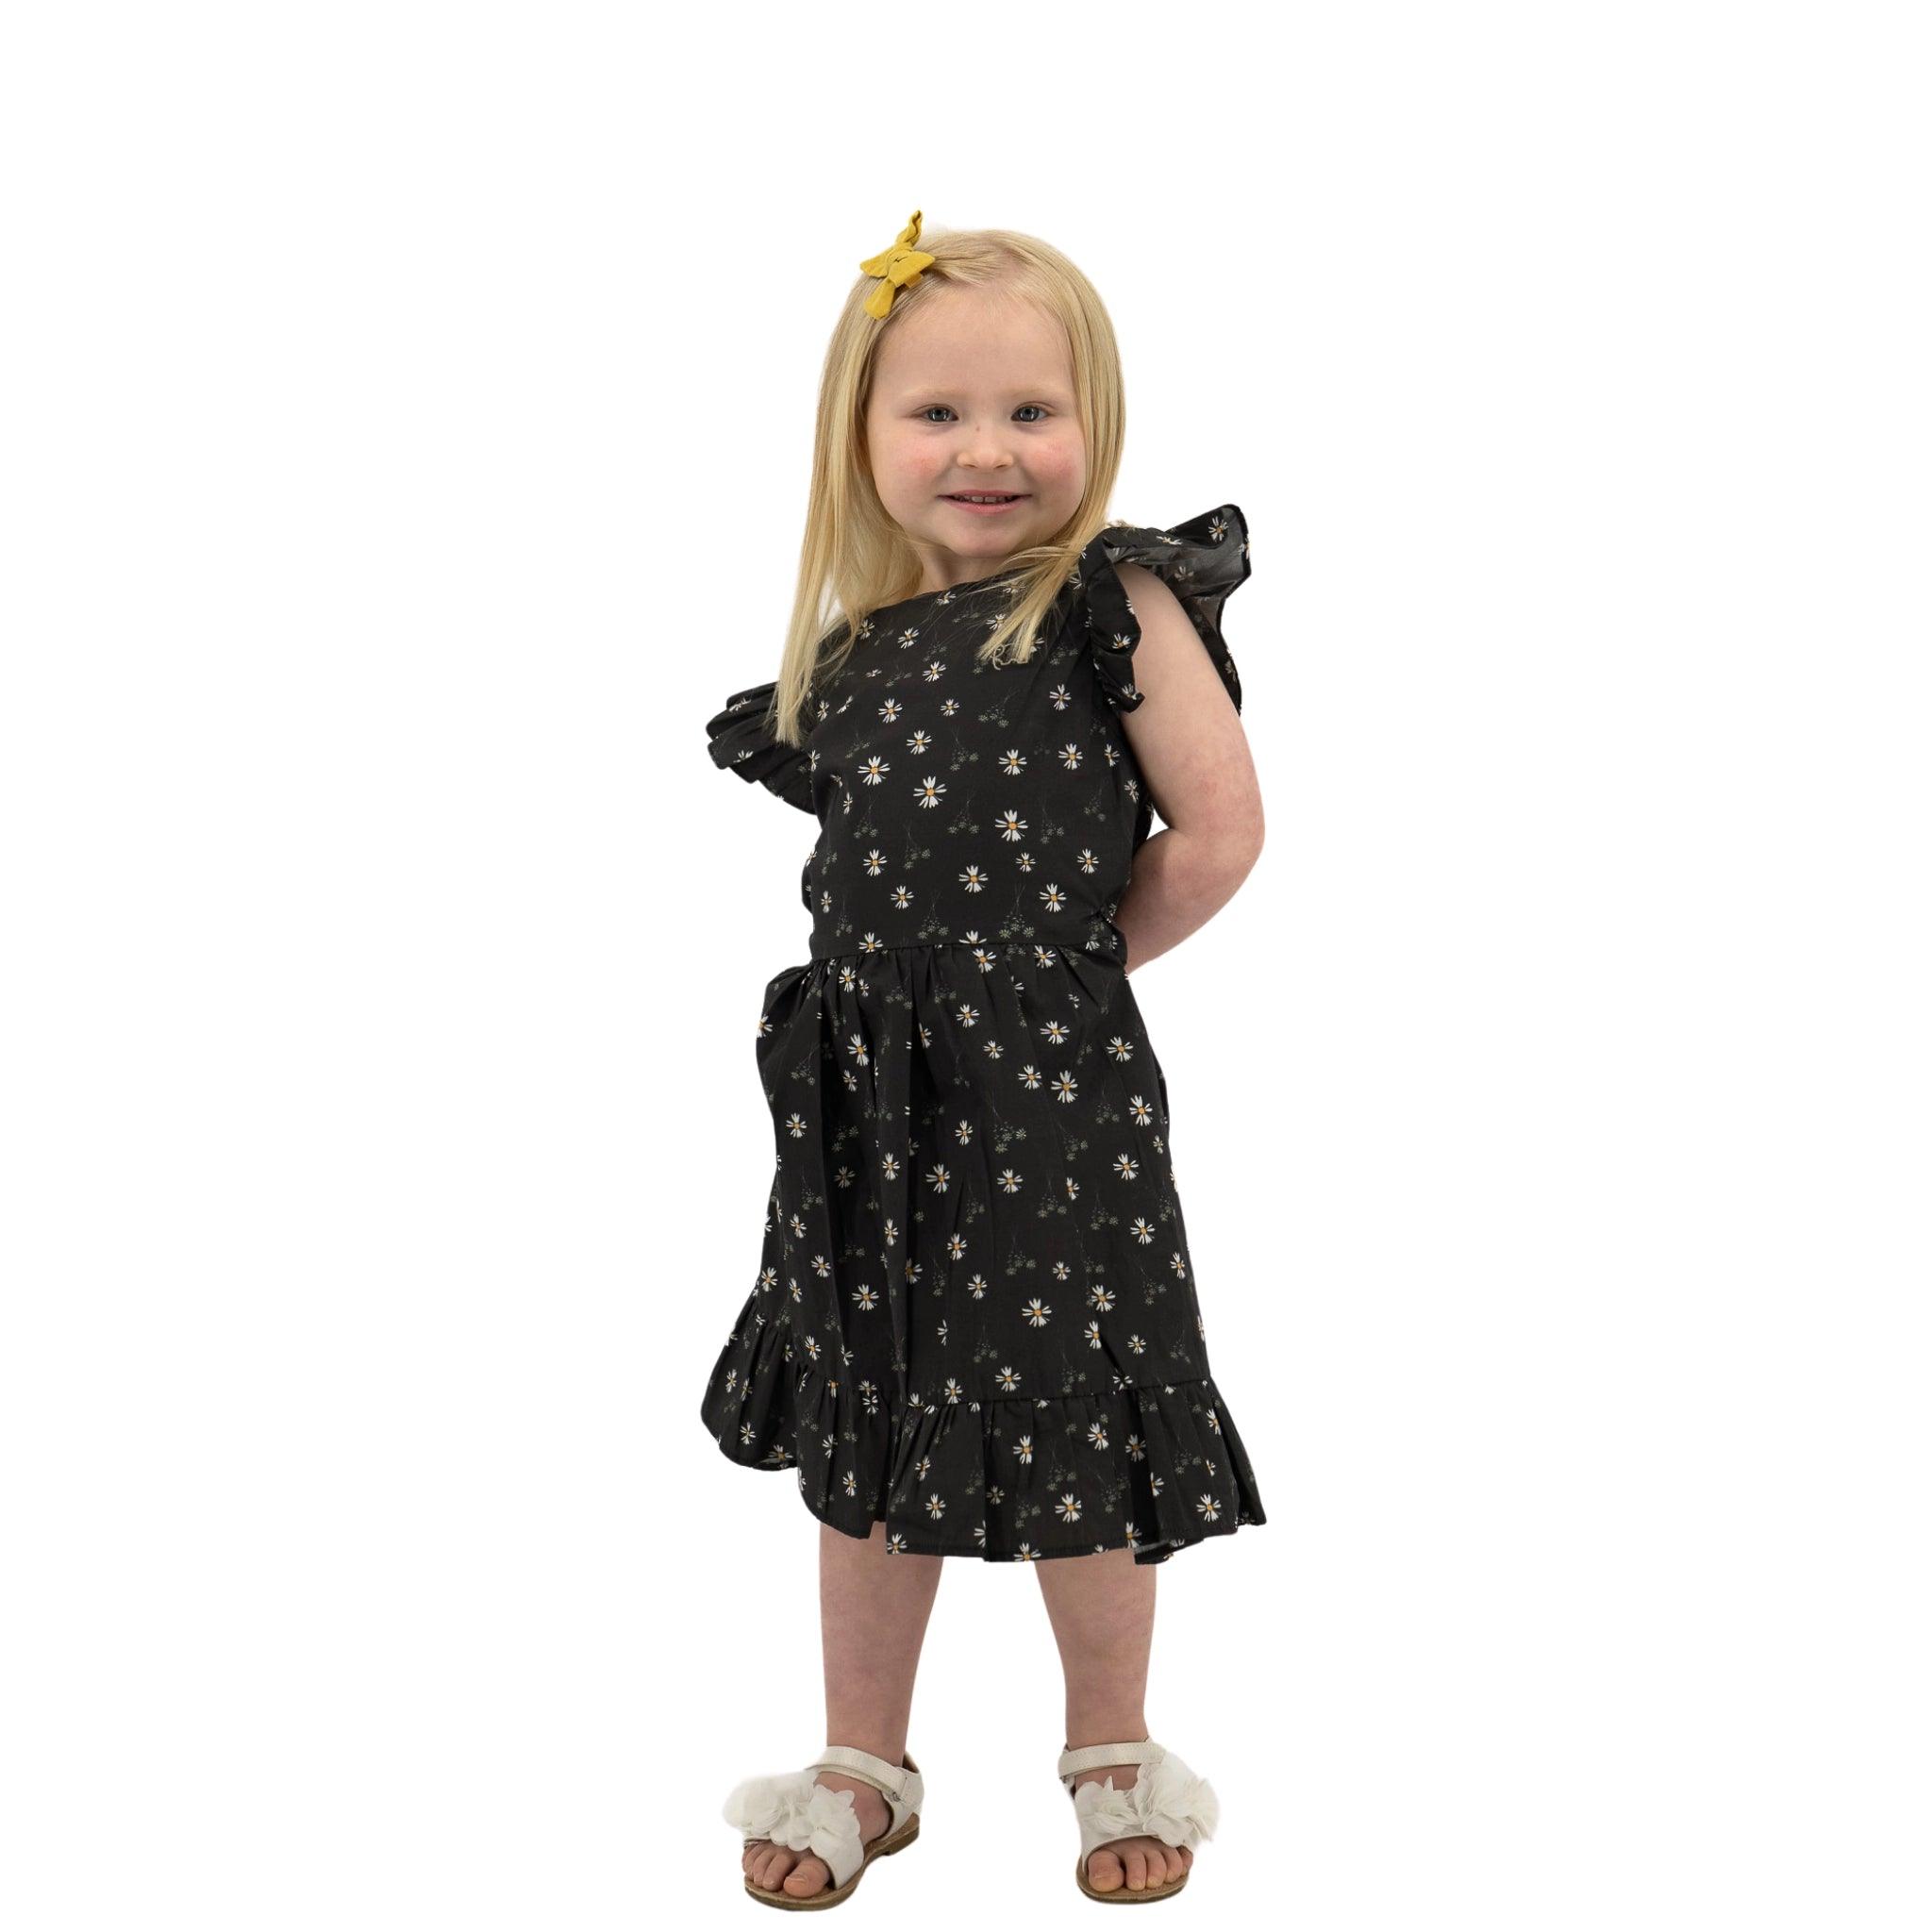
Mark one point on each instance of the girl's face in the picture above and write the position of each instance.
(973, 395)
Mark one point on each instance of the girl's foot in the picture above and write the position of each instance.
(1136, 1863)
(799, 1874)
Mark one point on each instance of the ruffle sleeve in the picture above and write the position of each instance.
(740, 740)
(1203, 561)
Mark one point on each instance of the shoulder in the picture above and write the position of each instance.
(741, 738)
(1169, 656)
(1158, 595)
(1149, 594)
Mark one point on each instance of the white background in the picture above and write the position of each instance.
(405, 424)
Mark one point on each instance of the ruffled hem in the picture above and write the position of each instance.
(1203, 561)
(1152, 1466)
(740, 740)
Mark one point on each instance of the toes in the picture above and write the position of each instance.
(809, 1877)
(770, 1869)
(1137, 1865)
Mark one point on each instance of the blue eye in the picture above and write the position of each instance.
(926, 412)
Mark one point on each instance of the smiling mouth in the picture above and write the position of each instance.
(983, 499)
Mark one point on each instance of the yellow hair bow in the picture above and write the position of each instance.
(899, 267)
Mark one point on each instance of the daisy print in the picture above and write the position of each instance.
(967, 1256)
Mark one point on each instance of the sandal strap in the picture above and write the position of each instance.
(1091, 1757)
(899, 1782)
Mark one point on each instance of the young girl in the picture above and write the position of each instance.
(974, 1331)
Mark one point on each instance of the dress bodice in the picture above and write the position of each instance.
(960, 802)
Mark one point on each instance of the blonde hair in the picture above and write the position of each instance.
(854, 559)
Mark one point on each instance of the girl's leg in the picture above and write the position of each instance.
(1102, 1611)
(873, 1612)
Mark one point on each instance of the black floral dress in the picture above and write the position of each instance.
(975, 1318)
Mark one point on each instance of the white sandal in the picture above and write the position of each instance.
(793, 1809)
(1165, 1801)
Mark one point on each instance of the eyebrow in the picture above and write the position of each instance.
(936, 392)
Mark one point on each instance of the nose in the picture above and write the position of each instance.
(985, 448)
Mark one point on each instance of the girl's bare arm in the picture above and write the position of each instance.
(1193, 755)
